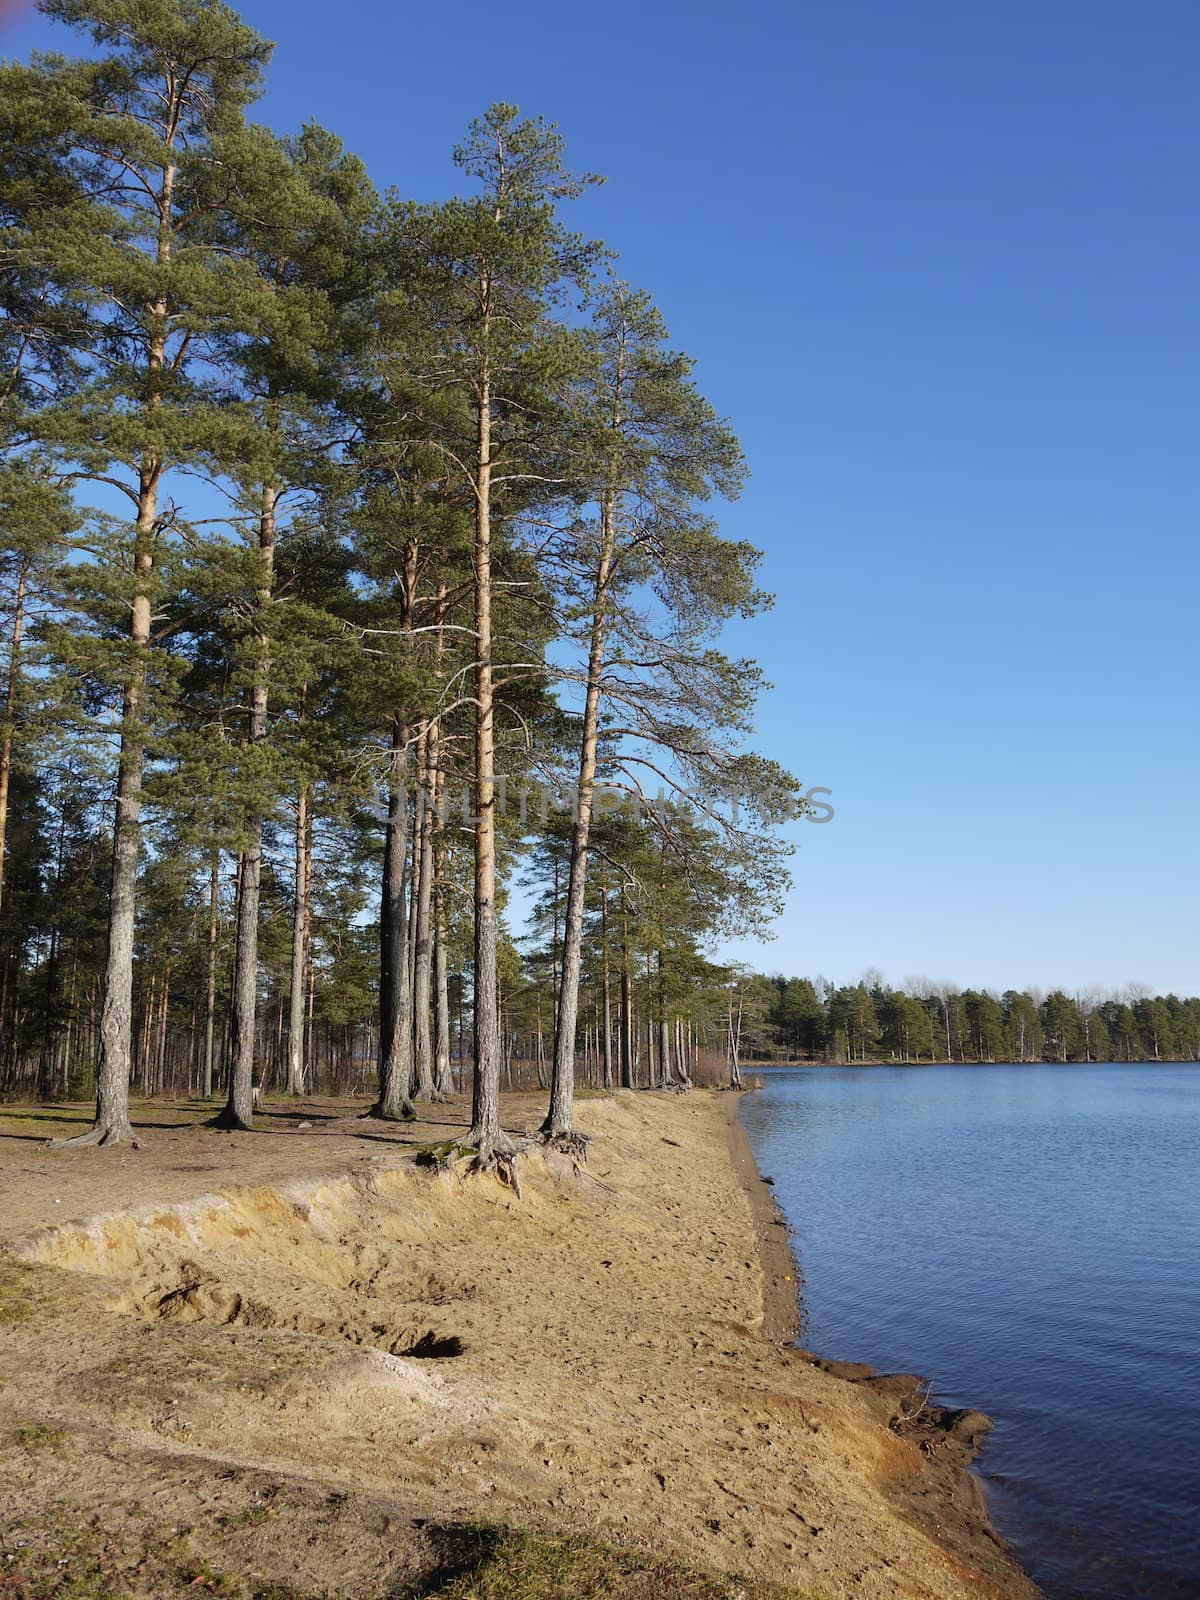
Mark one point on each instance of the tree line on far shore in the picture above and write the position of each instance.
(813, 1020)
(342, 539)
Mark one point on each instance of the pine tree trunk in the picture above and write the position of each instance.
(295, 1069)
(626, 1003)
(395, 996)
(443, 1075)
(210, 1004)
(10, 712)
(47, 1067)
(423, 941)
(606, 981)
(735, 1071)
(160, 1060)
(65, 1063)
(141, 1072)
(558, 1123)
(309, 1035)
(239, 1108)
(414, 872)
(116, 1016)
(485, 1085)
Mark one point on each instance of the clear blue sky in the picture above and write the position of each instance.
(939, 264)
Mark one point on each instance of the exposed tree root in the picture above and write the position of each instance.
(494, 1153)
(570, 1143)
(503, 1164)
(102, 1135)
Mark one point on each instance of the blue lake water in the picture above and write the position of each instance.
(1027, 1237)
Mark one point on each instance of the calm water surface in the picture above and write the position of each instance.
(1029, 1239)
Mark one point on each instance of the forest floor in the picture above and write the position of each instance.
(295, 1363)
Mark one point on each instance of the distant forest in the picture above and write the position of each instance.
(811, 1020)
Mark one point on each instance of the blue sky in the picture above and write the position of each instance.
(938, 263)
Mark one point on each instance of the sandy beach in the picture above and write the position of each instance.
(295, 1361)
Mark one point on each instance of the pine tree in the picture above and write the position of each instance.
(495, 265)
(654, 450)
(305, 247)
(148, 136)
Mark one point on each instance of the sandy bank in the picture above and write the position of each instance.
(307, 1349)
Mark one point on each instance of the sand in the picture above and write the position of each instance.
(302, 1353)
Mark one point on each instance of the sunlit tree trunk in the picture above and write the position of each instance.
(239, 1108)
(10, 710)
(295, 1068)
(395, 1019)
(423, 921)
(485, 1087)
(558, 1123)
(210, 998)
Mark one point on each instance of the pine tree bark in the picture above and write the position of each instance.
(239, 1108)
(395, 997)
(443, 1075)
(681, 1055)
(10, 711)
(735, 1040)
(559, 1117)
(606, 981)
(295, 1066)
(113, 1070)
(423, 920)
(210, 1001)
(485, 1133)
(664, 1052)
(116, 1014)
(626, 1002)
(160, 1055)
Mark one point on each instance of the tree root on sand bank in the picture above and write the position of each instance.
(570, 1143)
(495, 1153)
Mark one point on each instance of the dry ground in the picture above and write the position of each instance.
(294, 1362)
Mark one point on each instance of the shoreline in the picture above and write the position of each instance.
(298, 1334)
(780, 1269)
(949, 1501)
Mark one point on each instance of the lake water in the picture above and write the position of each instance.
(1027, 1237)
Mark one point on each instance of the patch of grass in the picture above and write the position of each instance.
(443, 1156)
(26, 1287)
(494, 1563)
(14, 1306)
(36, 1437)
(473, 1561)
(86, 1566)
(74, 1568)
(203, 1576)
